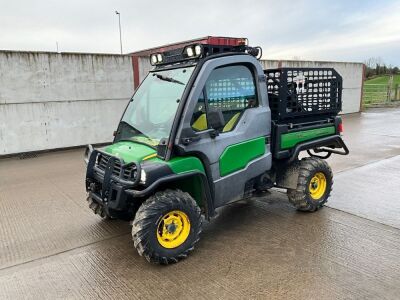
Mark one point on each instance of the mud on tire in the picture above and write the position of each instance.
(301, 197)
(147, 222)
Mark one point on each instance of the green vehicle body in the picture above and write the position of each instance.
(208, 127)
(137, 153)
(290, 140)
(214, 166)
(234, 158)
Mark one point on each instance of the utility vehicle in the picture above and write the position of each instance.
(207, 127)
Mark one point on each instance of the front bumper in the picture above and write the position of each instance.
(108, 178)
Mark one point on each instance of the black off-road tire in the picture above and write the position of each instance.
(97, 209)
(300, 197)
(145, 224)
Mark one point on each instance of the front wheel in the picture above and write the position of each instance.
(314, 185)
(167, 226)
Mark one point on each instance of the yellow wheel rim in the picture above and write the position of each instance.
(173, 229)
(317, 186)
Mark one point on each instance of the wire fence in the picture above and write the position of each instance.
(375, 95)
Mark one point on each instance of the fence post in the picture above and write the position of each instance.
(390, 86)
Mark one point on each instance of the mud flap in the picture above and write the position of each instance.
(288, 176)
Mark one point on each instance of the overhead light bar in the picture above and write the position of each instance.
(193, 51)
(200, 48)
(156, 58)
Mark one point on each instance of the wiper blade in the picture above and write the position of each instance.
(169, 79)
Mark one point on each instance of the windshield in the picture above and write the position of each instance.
(151, 111)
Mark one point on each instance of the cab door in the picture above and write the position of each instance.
(226, 123)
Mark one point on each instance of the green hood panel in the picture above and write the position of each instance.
(130, 151)
(134, 152)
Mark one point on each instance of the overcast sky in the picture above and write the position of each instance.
(345, 30)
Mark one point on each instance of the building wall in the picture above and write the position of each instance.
(51, 100)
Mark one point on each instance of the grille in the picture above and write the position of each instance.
(124, 172)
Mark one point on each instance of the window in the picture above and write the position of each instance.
(199, 118)
(229, 89)
(152, 109)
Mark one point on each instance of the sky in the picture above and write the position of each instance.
(352, 30)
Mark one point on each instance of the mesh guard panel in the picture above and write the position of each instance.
(296, 92)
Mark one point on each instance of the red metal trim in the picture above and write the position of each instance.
(226, 41)
(135, 67)
(212, 40)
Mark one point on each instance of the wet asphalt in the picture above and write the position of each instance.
(53, 247)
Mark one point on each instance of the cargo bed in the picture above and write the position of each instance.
(304, 105)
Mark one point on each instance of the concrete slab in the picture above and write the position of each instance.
(371, 191)
(371, 136)
(43, 211)
(52, 246)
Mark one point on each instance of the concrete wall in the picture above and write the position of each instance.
(144, 67)
(50, 100)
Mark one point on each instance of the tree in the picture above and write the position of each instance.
(374, 66)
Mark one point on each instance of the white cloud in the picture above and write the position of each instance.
(311, 29)
(375, 31)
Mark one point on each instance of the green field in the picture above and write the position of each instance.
(378, 93)
(383, 80)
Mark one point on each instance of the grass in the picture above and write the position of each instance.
(376, 91)
(383, 80)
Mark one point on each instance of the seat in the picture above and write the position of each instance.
(201, 123)
(231, 123)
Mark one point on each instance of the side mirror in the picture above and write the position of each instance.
(215, 119)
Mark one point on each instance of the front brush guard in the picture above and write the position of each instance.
(107, 178)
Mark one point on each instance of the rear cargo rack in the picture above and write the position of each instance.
(303, 92)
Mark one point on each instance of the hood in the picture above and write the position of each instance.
(131, 151)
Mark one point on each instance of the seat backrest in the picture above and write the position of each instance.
(231, 123)
(201, 123)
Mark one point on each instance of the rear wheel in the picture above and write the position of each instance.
(314, 185)
(167, 226)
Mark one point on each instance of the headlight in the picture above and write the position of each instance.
(143, 177)
(153, 59)
(189, 51)
(193, 51)
(156, 58)
(198, 49)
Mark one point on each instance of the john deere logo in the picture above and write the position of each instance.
(301, 135)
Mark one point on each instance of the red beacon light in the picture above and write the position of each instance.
(225, 41)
